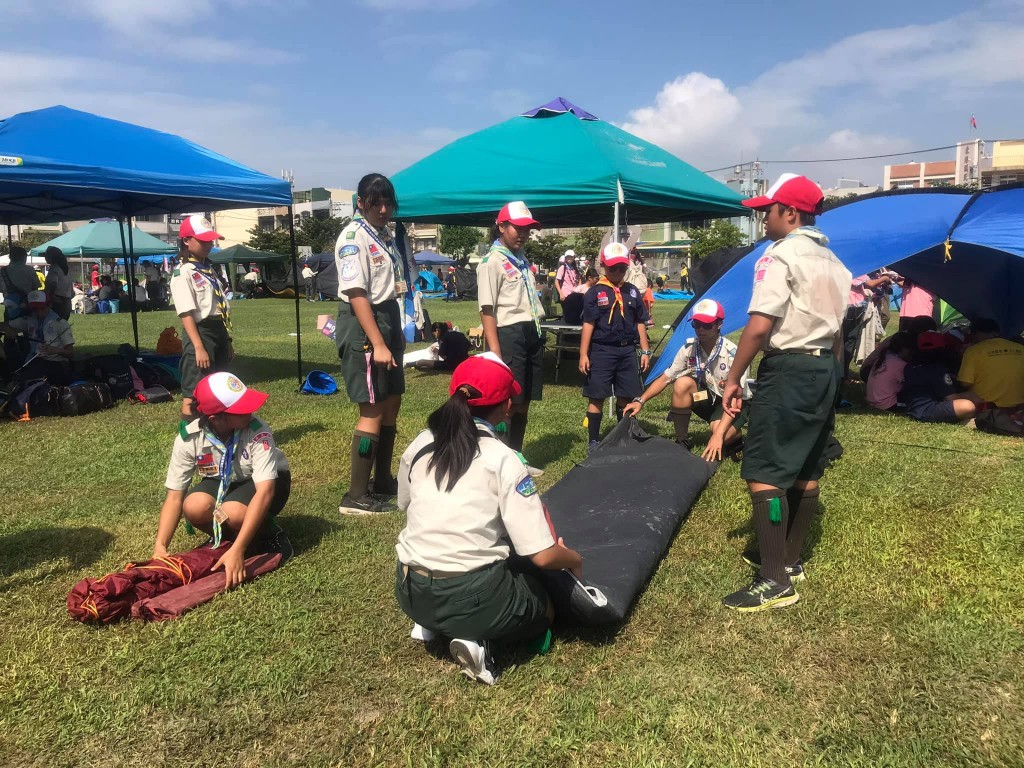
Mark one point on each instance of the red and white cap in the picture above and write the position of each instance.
(615, 253)
(223, 392)
(790, 190)
(487, 374)
(37, 299)
(517, 213)
(708, 311)
(199, 227)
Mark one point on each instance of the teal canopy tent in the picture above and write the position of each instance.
(243, 254)
(570, 168)
(102, 239)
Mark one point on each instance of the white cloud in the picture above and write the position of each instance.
(462, 66)
(828, 103)
(421, 5)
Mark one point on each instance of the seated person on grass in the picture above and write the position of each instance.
(993, 367)
(928, 388)
(452, 347)
(698, 376)
(886, 378)
(467, 495)
(39, 345)
(244, 477)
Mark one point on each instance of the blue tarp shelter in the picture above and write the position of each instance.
(982, 275)
(433, 282)
(432, 259)
(60, 164)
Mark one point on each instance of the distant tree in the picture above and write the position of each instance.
(545, 251)
(721, 234)
(459, 241)
(274, 241)
(30, 238)
(320, 233)
(588, 241)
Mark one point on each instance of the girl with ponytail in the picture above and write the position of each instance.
(466, 494)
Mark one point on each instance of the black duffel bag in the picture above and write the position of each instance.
(114, 371)
(86, 397)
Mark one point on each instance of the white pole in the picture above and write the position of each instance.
(615, 231)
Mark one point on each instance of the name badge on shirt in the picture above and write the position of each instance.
(206, 465)
(700, 396)
(602, 300)
(401, 287)
(510, 272)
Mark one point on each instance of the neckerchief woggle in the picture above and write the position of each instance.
(618, 298)
(521, 264)
(398, 265)
(710, 359)
(206, 271)
(227, 457)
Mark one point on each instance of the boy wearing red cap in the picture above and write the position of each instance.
(796, 317)
(244, 476)
(698, 375)
(199, 300)
(614, 320)
(510, 311)
(466, 496)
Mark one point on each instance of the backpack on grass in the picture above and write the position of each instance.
(115, 371)
(85, 397)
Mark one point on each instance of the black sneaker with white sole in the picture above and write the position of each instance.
(474, 659)
(796, 572)
(367, 504)
(761, 595)
(387, 486)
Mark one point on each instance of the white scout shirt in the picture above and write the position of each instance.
(370, 263)
(465, 528)
(256, 456)
(802, 284)
(51, 331)
(636, 273)
(713, 368)
(507, 289)
(59, 283)
(193, 293)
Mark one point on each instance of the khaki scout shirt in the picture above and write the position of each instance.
(714, 371)
(802, 284)
(193, 293)
(636, 273)
(257, 456)
(502, 286)
(364, 263)
(51, 331)
(466, 528)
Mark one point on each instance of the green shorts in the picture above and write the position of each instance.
(792, 416)
(364, 381)
(522, 349)
(491, 603)
(217, 344)
(711, 411)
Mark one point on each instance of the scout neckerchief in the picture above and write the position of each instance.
(520, 264)
(618, 298)
(227, 457)
(708, 362)
(390, 248)
(207, 271)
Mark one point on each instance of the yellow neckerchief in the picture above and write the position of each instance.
(618, 298)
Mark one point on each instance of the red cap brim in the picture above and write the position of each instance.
(207, 237)
(759, 202)
(250, 402)
(615, 260)
(523, 222)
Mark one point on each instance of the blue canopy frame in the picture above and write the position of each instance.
(59, 164)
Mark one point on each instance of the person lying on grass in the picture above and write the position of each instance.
(452, 347)
(466, 494)
(244, 477)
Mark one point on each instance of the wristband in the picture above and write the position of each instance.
(646, 352)
(638, 400)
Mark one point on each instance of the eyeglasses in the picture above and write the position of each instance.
(699, 325)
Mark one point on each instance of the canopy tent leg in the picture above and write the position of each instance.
(9, 241)
(615, 225)
(131, 286)
(295, 286)
(126, 253)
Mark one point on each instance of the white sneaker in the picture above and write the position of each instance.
(474, 658)
(421, 634)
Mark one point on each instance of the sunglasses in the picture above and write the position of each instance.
(698, 324)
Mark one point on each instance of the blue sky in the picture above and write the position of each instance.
(332, 90)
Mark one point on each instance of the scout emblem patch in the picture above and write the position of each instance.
(526, 487)
(761, 268)
(511, 272)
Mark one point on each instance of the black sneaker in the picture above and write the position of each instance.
(367, 504)
(761, 595)
(386, 487)
(276, 540)
(733, 450)
(796, 572)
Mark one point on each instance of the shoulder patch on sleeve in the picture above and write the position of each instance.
(526, 487)
(350, 235)
(183, 429)
(255, 425)
(348, 250)
(176, 272)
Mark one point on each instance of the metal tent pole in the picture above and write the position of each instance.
(131, 284)
(124, 253)
(295, 286)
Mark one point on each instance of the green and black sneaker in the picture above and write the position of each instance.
(796, 572)
(761, 595)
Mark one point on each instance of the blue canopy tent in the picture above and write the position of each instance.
(432, 259)
(909, 231)
(58, 164)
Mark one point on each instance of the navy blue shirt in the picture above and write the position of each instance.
(621, 328)
(925, 385)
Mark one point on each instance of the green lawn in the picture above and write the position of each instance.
(906, 648)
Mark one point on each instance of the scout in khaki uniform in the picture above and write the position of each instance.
(372, 276)
(510, 311)
(796, 318)
(614, 321)
(698, 376)
(244, 480)
(466, 497)
(199, 300)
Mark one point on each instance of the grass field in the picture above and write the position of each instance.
(906, 648)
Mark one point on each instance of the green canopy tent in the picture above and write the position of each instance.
(243, 254)
(104, 239)
(571, 168)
